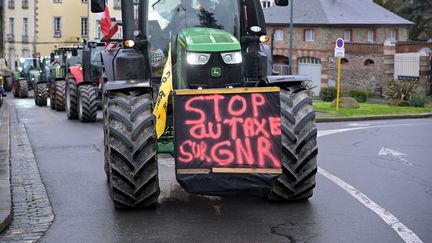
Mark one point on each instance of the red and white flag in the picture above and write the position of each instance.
(108, 29)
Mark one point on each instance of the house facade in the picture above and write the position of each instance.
(60, 22)
(317, 25)
(18, 29)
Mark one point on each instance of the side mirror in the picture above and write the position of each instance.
(282, 2)
(97, 6)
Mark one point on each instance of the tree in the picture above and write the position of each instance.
(417, 11)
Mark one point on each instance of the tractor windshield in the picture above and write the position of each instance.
(96, 59)
(29, 63)
(74, 60)
(167, 17)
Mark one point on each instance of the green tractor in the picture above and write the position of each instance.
(27, 74)
(6, 75)
(41, 89)
(194, 79)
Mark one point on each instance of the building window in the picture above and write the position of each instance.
(57, 27)
(265, 4)
(84, 26)
(11, 26)
(308, 35)
(84, 1)
(371, 35)
(11, 4)
(278, 35)
(57, 1)
(25, 26)
(344, 61)
(117, 4)
(347, 35)
(24, 4)
(394, 35)
(369, 62)
(98, 29)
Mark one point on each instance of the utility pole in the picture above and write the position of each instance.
(291, 37)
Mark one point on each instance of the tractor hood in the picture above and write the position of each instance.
(199, 39)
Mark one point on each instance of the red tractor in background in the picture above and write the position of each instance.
(83, 84)
(61, 60)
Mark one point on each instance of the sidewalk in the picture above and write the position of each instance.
(5, 190)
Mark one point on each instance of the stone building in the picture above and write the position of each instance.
(317, 25)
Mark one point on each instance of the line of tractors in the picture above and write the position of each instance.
(201, 70)
(70, 77)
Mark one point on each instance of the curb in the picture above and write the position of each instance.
(372, 118)
(6, 214)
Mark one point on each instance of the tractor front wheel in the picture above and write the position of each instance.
(71, 99)
(87, 103)
(131, 142)
(299, 147)
(41, 94)
(60, 95)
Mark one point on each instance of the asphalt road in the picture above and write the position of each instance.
(70, 159)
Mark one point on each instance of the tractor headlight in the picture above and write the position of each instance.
(195, 58)
(232, 57)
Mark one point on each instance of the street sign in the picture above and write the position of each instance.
(340, 48)
(339, 52)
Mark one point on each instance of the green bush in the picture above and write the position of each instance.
(328, 94)
(417, 100)
(360, 95)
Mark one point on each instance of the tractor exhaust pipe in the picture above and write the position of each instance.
(128, 23)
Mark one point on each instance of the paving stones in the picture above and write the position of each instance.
(33, 213)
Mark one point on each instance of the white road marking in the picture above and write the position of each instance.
(395, 154)
(334, 131)
(358, 124)
(404, 232)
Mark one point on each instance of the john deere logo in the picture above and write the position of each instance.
(216, 72)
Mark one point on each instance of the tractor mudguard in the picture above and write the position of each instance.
(77, 73)
(126, 84)
(285, 80)
(227, 140)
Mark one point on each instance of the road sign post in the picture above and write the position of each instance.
(339, 53)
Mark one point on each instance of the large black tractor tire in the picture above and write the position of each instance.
(71, 99)
(8, 80)
(299, 147)
(60, 87)
(105, 129)
(131, 142)
(87, 103)
(22, 88)
(41, 94)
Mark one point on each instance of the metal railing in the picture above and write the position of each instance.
(24, 38)
(10, 38)
(57, 33)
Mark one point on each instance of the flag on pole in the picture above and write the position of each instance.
(105, 20)
(160, 109)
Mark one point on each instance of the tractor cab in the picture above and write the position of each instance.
(28, 68)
